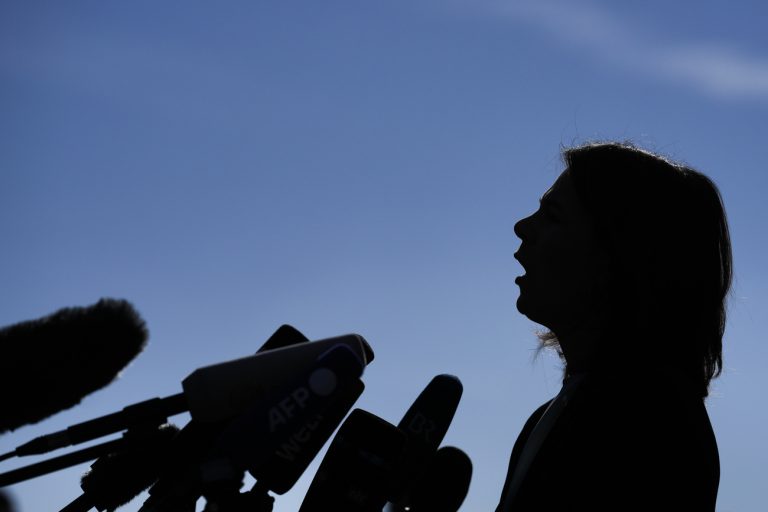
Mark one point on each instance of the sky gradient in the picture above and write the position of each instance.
(358, 167)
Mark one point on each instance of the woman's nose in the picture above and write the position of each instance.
(522, 228)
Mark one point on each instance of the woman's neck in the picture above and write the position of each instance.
(579, 348)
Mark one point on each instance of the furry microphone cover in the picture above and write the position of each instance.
(51, 363)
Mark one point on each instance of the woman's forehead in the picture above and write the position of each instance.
(561, 190)
(563, 196)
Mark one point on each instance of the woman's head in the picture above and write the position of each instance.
(563, 260)
(658, 260)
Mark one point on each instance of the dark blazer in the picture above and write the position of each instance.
(622, 443)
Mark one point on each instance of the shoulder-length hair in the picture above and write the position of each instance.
(665, 230)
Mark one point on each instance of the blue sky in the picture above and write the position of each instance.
(358, 167)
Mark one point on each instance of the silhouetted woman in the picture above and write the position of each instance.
(627, 264)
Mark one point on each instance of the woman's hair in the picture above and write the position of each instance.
(664, 228)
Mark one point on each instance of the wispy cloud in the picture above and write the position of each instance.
(712, 68)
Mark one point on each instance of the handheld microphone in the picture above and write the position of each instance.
(53, 362)
(6, 504)
(276, 443)
(445, 483)
(153, 411)
(344, 485)
(148, 413)
(275, 439)
(358, 470)
(222, 391)
(425, 425)
(116, 478)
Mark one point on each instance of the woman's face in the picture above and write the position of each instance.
(563, 266)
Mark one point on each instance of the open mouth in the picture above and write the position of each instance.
(519, 259)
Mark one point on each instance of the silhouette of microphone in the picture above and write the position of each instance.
(425, 424)
(375, 461)
(334, 379)
(151, 412)
(267, 382)
(243, 381)
(116, 478)
(444, 485)
(212, 393)
(359, 468)
(53, 362)
(6, 504)
(275, 439)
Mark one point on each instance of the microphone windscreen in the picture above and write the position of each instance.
(445, 483)
(53, 362)
(116, 479)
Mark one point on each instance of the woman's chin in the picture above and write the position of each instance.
(521, 305)
(522, 298)
(529, 310)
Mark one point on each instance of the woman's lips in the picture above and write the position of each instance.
(521, 260)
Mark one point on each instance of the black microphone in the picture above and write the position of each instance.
(344, 485)
(444, 485)
(154, 410)
(274, 439)
(116, 478)
(149, 413)
(6, 504)
(54, 362)
(425, 425)
(276, 443)
(306, 433)
(359, 468)
(222, 391)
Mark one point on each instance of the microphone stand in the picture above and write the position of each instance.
(61, 462)
(227, 498)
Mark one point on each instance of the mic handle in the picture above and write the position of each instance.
(255, 500)
(61, 462)
(154, 411)
(79, 504)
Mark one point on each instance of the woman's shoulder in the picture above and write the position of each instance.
(653, 411)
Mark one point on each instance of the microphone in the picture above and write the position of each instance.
(149, 413)
(444, 485)
(155, 411)
(6, 504)
(375, 461)
(425, 425)
(116, 478)
(275, 439)
(53, 362)
(358, 469)
(330, 378)
(222, 391)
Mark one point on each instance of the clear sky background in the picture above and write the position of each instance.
(358, 166)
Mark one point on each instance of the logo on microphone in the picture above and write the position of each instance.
(421, 426)
(321, 382)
